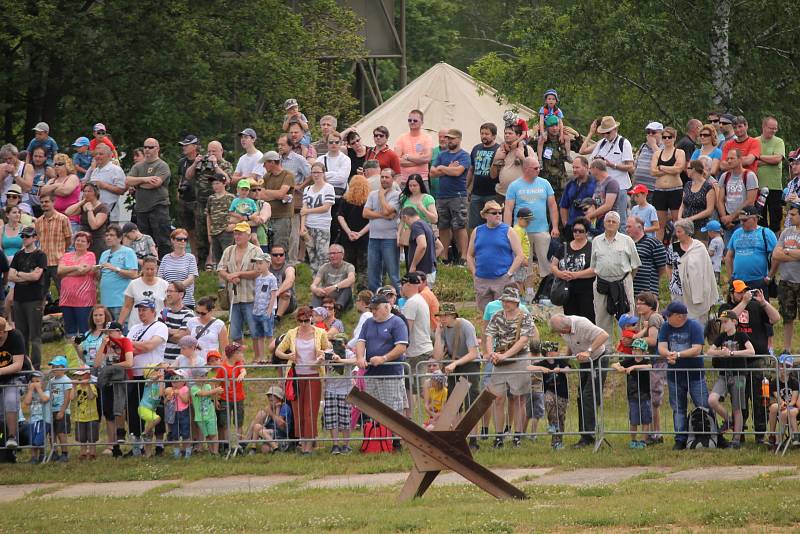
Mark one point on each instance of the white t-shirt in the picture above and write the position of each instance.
(210, 338)
(357, 330)
(155, 356)
(419, 338)
(315, 199)
(139, 290)
(337, 170)
(610, 151)
(196, 369)
(250, 164)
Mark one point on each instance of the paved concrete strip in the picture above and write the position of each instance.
(593, 477)
(388, 479)
(18, 491)
(109, 489)
(225, 485)
(734, 472)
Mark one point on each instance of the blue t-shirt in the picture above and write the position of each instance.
(714, 154)
(681, 339)
(58, 392)
(380, 339)
(495, 306)
(151, 397)
(83, 160)
(647, 213)
(281, 433)
(263, 288)
(243, 206)
(112, 284)
(453, 186)
(90, 346)
(531, 195)
(49, 145)
(750, 252)
(575, 191)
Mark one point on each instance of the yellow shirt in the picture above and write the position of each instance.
(86, 408)
(523, 237)
(437, 397)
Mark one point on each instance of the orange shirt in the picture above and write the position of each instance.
(751, 146)
(433, 305)
(228, 373)
(414, 146)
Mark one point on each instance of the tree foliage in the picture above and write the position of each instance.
(164, 69)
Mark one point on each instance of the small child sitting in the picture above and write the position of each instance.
(37, 401)
(640, 412)
(784, 406)
(293, 115)
(627, 325)
(150, 401)
(87, 418)
(272, 424)
(435, 397)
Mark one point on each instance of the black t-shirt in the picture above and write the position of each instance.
(428, 262)
(481, 159)
(574, 261)
(26, 262)
(14, 345)
(688, 146)
(735, 342)
(354, 217)
(356, 162)
(753, 321)
(555, 382)
(638, 381)
(785, 388)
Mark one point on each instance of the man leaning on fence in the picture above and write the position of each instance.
(587, 343)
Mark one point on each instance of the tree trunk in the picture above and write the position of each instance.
(721, 75)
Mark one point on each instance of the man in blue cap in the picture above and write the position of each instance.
(680, 341)
(82, 158)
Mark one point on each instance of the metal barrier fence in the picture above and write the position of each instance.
(596, 401)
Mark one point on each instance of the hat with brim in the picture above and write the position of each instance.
(510, 294)
(712, 226)
(739, 286)
(242, 227)
(491, 205)
(607, 124)
(447, 308)
(275, 391)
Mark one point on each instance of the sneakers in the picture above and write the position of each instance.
(335, 450)
(64, 458)
(344, 449)
(498, 443)
(633, 444)
(558, 446)
(552, 429)
(11, 443)
(679, 446)
(726, 426)
(176, 452)
(35, 460)
(654, 440)
(583, 443)
(121, 435)
(796, 440)
(159, 450)
(736, 444)
(516, 441)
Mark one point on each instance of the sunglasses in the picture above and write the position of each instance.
(578, 231)
(11, 195)
(334, 142)
(203, 314)
(59, 164)
(181, 239)
(714, 121)
(667, 137)
(306, 320)
(727, 123)
(705, 135)
(493, 212)
(378, 134)
(149, 147)
(101, 132)
(413, 120)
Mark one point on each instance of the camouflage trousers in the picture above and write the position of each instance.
(317, 243)
(556, 408)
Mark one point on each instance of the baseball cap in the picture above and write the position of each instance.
(113, 325)
(454, 133)
(447, 308)
(189, 139)
(250, 132)
(729, 314)
(739, 286)
(270, 155)
(640, 343)
(378, 299)
(262, 257)
(726, 118)
(627, 319)
(99, 127)
(654, 126)
(233, 348)
(59, 361)
(188, 342)
(750, 211)
(638, 188)
(42, 127)
(81, 141)
(213, 354)
(410, 278)
(28, 231)
(524, 213)
(243, 184)
(786, 359)
(242, 227)
(676, 307)
(290, 103)
(712, 226)
(146, 303)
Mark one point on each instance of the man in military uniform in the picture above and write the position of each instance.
(201, 172)
(555, 155)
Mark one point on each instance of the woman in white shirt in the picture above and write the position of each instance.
(146, 287)
(209, 331)
(315, 217)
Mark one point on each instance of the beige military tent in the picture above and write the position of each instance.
(449, 98)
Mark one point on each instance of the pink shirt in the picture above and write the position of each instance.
(78, 291)
(179, 404)
(414, 147)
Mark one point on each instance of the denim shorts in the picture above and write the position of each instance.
(640, 412)
(263, 325)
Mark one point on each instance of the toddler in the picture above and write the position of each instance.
(293, 114)
(435, 397)
(627, 325)
(87, 418)
(37, 401)
(716, 245)
(338, 384)
(205, 416)
(784, 406)
(151, 399)
(179, 397)
(640, 412)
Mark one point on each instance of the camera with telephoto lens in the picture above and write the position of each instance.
(204, 164)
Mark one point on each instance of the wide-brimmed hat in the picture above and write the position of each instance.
(607, 124)
(447, 308)
(276, 391)
(491, 205)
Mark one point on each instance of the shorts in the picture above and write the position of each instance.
(226, 408)
(87, 431)
(63, 425)
(534, 405)
(733, 383)
(39, 432)
(452, 213)
(667, 200)
(413, 362)
(789, 299)
(640, 411)
(390, 390)
(146, 414)
(522, 274)
(263, 325)
(489, 289)
(207, 427)
(512, 377)
(337, 411)
(10, 390)
(658, 377)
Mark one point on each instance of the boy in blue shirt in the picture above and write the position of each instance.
(42, 139)
(82, 158)
(37, 400)
(644, 210)
(60, 387)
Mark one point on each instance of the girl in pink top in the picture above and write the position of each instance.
(78, 286)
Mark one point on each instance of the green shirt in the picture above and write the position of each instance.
(770, 175)
(148, 199)
(203, 406)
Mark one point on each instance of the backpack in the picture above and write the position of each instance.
(52, 328)
(374, 429)
(703, 430)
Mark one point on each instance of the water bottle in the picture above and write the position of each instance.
(765, 391)
(762, 197)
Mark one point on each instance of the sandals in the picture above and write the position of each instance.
(209, 267)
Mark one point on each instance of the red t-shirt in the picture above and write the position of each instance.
(387, 158)
(120, 346)
(751, 146)
(229, 373)
(106, 140)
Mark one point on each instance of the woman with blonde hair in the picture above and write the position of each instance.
(354, 236)
(66, 188)
(666, 166)
(708, 148)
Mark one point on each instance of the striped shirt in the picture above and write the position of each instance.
(175, 320)
(653, 257)
(178, 269)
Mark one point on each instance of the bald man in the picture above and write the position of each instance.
(108, 177)
(150, 178)
(200, 173)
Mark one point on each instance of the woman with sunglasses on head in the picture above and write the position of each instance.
(699, 196)
(209, 331)
(93, 217)
(571, 263)
(180, 266)
(11, 241)
(666, 166)
(304, 346)
(709, 148)
(65, 187)
(356, 151)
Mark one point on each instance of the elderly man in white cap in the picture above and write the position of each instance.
(652, 144)
(614, 261)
